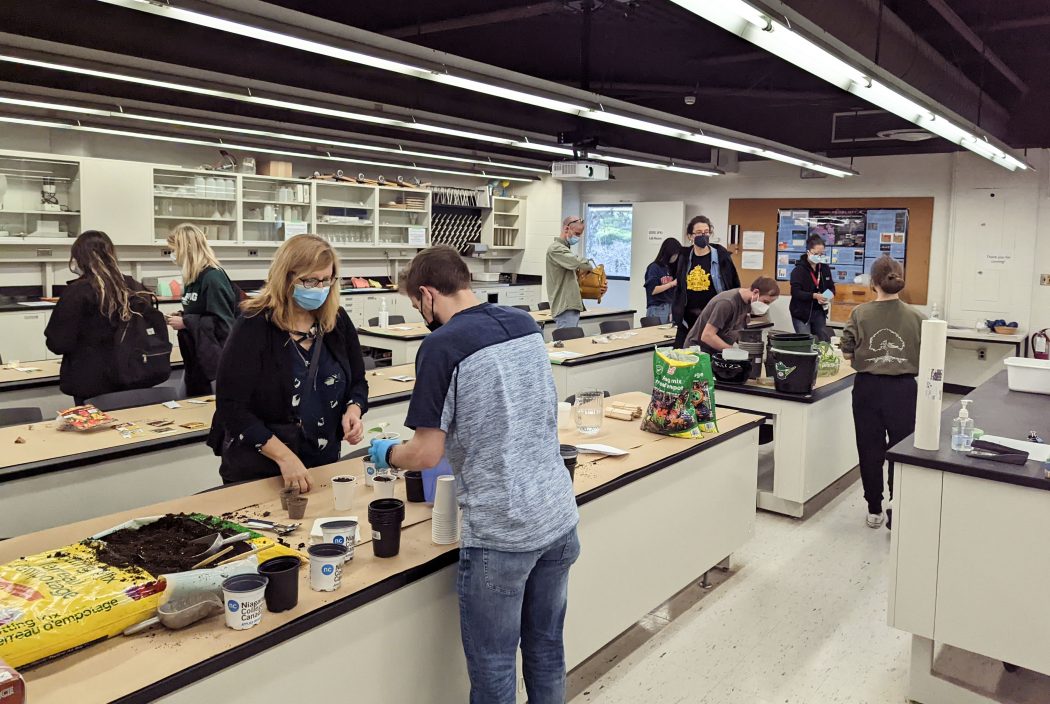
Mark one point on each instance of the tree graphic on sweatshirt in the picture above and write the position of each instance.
(886, 345)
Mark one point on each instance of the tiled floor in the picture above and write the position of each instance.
(800, 618)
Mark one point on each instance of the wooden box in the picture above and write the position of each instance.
(282, 169)
(847, 297)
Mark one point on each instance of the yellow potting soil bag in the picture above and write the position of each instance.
(683, 400)
(65, 599)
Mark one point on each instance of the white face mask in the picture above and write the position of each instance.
(759, 308)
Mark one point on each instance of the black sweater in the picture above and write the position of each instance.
(83, 336)
(803, 287)
(254, 386)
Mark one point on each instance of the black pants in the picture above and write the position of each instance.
(682, 327)
(883, 415)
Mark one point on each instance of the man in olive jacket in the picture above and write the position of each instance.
(562, 264)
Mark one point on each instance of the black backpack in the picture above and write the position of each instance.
(141, 347)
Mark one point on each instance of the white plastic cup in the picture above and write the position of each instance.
(383, 487)
(370, 472)
(244, 596)
(342, 532)
(344, 488)
(445, 495)
(564, 416)
(326, 566)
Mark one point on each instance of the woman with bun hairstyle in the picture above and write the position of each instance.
(882, 339)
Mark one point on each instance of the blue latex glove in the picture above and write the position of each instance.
(378, 451)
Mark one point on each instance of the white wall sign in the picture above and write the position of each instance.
(417, 236)
(291, 229)
(752, 260)
(655, 235)
(754, 239)
(998, 259)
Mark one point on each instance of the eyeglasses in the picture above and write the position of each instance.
(314, 283)
(573, 222)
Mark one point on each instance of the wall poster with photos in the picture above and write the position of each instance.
(854, 238)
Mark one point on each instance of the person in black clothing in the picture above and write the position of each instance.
(84, 322)
(660, 281)
(291, 383)
(209, 306)
(809, 280)
(704, 270)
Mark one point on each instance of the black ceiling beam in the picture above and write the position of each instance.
(481, 19)
(1020, 23)
(959, 25)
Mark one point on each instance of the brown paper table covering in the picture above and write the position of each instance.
(544, 316)
(44, 441)
(380, 383)
(414, 330)
(121, 666)
(587, 347)
(49, 369)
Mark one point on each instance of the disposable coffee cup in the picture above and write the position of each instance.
(244, 596)
(445, 495)
(297, 507)
(383, 487)
(370, 472)
(342, 532)
(344, 488)
(386, 517)
(414, 486)
(326, 566)
(282, 591)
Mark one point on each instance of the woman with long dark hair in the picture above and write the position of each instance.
(83, 323)
(660, 281)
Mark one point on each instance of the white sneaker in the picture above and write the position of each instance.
(875, 520)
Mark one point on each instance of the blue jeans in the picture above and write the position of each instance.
(567, 319)
(817, 325)
(661, 311)
(507, 597)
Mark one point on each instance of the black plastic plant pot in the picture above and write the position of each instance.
(282, 591)
(414, 486)
(386, 517)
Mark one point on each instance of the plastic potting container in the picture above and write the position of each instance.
(794, 372)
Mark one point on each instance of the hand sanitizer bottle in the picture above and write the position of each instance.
(962, 430)
(384, 314)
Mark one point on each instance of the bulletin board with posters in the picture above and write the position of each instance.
(853, 237)
(856, 231)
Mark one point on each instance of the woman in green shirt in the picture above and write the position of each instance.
(209, 307)
(882, 339)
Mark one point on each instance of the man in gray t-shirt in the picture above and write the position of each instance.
(485, 399)
(719, 326)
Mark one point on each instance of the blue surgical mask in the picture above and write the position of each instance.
(818, 258)
(310, 298)
(573, 240)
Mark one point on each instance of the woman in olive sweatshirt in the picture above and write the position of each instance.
(209, 307)
(882, 338)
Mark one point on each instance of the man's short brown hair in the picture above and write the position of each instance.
(439, 267)
(766, 286)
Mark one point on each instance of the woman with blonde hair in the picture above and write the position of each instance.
(882, 339)
(209, 305)
(291, 383)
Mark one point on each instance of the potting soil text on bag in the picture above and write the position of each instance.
(683, 401)
(64, 599)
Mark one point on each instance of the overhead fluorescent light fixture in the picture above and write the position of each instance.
(734, 9)
(761, 29)
(248, 148)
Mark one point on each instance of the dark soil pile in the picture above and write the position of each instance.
(158, 548)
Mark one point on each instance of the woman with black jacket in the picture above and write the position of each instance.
(84, 322)
(209, 307)
(291, 383)
(704, 271)
(810, 279)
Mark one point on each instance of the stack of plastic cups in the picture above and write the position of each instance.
(445, 518)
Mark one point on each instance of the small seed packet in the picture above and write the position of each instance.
(171, 404)
(193, 425)
(402, 378)
(159, 423)
(162, 430)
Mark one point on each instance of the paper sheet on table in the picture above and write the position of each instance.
(563, 354)
(752, 260)
(36, 304)
(400, 327)
(1036, 451)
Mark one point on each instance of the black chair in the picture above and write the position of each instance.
(133, 397)
(524, 308)
(20, 415)
(567, 334)
(613, 326)
(572, 399)
(394, 320)
(543, 305)
(651, 321)
(370, 363)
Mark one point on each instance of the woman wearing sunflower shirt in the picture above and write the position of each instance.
(704, 271)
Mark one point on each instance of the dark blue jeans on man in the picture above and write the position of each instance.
(511, 597)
